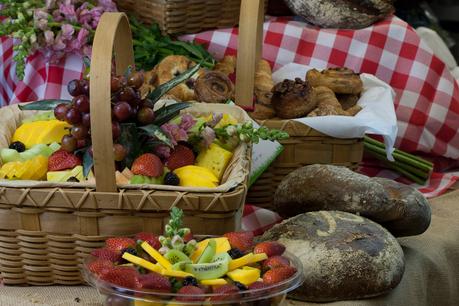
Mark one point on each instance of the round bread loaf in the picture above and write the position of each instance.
(344, 256)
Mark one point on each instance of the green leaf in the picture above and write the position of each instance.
(88, 163)
(130, 140)
(167, 113)
(155, 131)
(43, 104)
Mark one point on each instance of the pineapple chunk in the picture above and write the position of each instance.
(32, 169)
(215, 158)
(40, 132)
(223, 246)
(246, 275)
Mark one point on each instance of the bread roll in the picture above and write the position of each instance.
(344, 256)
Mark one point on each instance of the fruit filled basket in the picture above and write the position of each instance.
(60, 198)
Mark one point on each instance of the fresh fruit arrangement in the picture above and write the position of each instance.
(152, 145)
(175, 268)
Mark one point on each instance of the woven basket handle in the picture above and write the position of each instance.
(113, 36)
(249, 50)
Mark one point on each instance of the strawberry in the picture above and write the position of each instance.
(126, 277)
(240, 240)
(188, 237)
(225, 292)
(189, 294)
(277, 275)
(270, 248)
(63, 160)
(105, 253)
(181, 156)
(100, 266)
(275, 262)
(148, 164)
(257, 286)
(155, 281)
(119, 244)
(152, 239)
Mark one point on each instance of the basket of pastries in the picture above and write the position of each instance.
(178, 16)
(113, 161)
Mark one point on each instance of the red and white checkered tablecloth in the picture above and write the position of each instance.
(427, 102)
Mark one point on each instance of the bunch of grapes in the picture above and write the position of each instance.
(127, 106)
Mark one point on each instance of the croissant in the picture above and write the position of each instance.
(263, 86)
(328, 104)
(339, 80)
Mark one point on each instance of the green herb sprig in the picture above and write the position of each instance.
(174, 235)
(246, 132)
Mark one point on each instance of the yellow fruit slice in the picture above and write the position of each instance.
(227, 119)
(156, 255)
(142, 262)
(246, 275)
(223, 246)
(215, 158)
(214, 282)
(258, 257)
(44, 132)
(32, 169)
(196, 170)
(145, 303)
(175, 273)
(194, 176)
(240, 262)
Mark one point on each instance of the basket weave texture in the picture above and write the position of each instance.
(305, 146)
(180, 17)
(46, 232)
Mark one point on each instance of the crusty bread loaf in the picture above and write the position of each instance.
(344, 256)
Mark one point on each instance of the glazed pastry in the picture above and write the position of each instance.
(349, 14)
(340, 80)
(227, 65)
(172, 66)
(214, 87)
(328, 104)
(149, 82)
(293, 99)
(263, 92)
(347, 101)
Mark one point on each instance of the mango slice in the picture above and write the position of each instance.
(223, 246)
(246, 275)
(41, 132)
(156, 255)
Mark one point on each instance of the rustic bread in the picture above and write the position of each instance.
(402, 209)
(344, 256)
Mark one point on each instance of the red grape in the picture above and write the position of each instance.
(75, 88)
(86, 120)
(81, 143)
(90, 151)
(79, 132)
(116, 130)
(73, 116)
(85, 87)
(69, 143)
(116, 84)
(122, 111)
(145, 115)
(127, 94)
(81, 103)
(60, 111)
(136, 80)
(119, 152)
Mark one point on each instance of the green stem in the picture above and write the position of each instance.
(422, 174)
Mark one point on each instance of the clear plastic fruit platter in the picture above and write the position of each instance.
(271, 295)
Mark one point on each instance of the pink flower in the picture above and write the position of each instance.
(59, 44)
(87, 51)
(40, 14)
(108, 5)
(187, 122)
(49, 38)
(162, 151)
(68, 10)
(174, 132)
(41, 24)
(208, 136)
(50, 4)
(216, 118)
(67, 31)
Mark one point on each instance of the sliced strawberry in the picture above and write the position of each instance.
(277, 275)
(275, 262)
(108, 254)
(155, 282)
(152, 239)
(188, 294)
(270, 248)
(225, 292)
(119, 244)
(257, 286)
(126, 277)
(240, 240)
(148, 164)
(63, 160)
(100, 266)
(181, 156)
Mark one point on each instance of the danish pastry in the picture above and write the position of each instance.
(339, 80)
(213, 87)
(293, 99)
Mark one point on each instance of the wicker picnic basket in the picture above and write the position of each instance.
(47, 230)
(180, 17)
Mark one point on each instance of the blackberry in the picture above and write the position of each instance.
(131, 251)
(18, 146)
(171, 179)
(235, 253)
(190, 281)
(73, 179)
(241, 286)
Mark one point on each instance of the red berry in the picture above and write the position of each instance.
(122, 111)
(79, 132)
(126, 277)
(116, 84)
(73, 116)
(190, 294)
(62, 160)
(148, 164)
(240, 240)
(257, 286)
(127, 94)
(150, 238)
(118, 244)
(226, 292)
(155, 282)
(275, 262)
(81, 103)
(270, 248)
(75, 88)
(277, 275)
(100, 266)
(181, 156)
(107, 254)
(60, 111)
(69, 143)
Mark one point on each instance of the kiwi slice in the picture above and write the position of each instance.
(208, 253)
(176, 256)
(222, 257)
(179, 266)
(208, 270)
